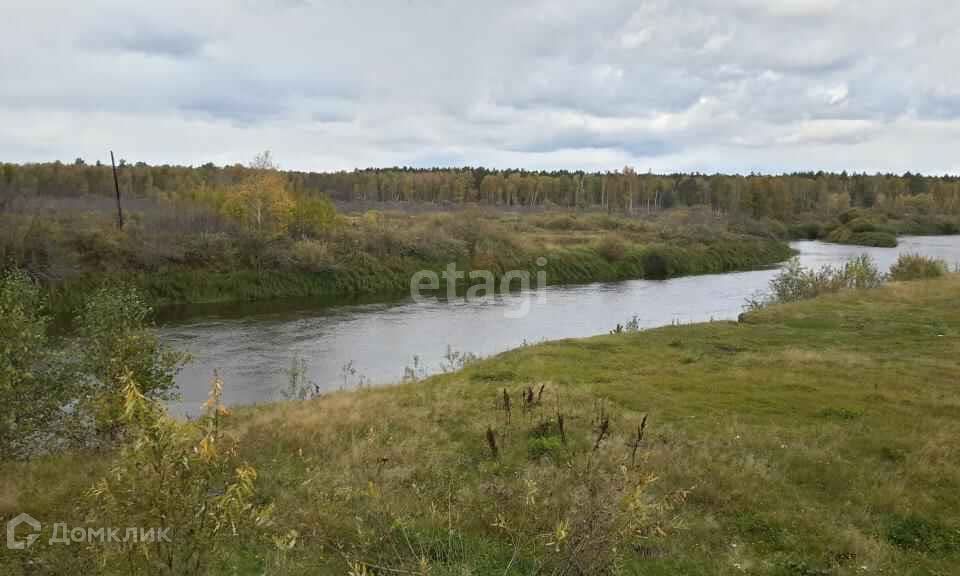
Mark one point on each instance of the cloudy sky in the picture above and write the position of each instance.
(721, 85)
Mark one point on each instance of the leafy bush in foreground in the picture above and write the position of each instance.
(34, 382)
(915, 267)
(184, 477)
(56, 392)
(113, 340)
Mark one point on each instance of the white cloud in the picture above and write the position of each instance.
(829, 132)
(833, 95)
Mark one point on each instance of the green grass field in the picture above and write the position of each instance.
(817, 438)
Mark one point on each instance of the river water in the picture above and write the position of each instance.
(253, 344)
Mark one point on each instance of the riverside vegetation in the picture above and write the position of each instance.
(210, 234)
(816, 436)
(373, 253)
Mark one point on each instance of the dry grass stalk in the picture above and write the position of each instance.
(639, 438)
(528, 399)
(492, 443)
(602, 430)
(506, 405)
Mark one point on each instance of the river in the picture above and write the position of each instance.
(253, 344)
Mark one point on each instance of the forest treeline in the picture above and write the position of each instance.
(782, 197)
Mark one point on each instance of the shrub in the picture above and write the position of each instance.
(210, 249)
(861, 225)
(796, 283)
(312, 217)
(52, 392)
(658, 262)
(612, 247)
(35, 382)
(851, 215)
(114, 339)
(878, 239)
(312, 255)
(100, 246)
(915, 267)
(541, 446)
(181, 477)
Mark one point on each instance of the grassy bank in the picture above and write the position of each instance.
(811, 438)
(369, 275)
(377, 253)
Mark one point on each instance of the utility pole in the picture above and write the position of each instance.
(116, 186)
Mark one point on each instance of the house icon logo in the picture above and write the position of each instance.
(14, 543)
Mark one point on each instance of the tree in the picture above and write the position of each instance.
(312, 217)
(261, 201)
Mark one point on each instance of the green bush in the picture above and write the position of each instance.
(657, 263)
(875, 238)
(915, 267)
(852, 214)
(862, 225)
(796, 283)
(54, 392)
(544, 440)
(36, 383)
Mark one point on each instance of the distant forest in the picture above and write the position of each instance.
(783, 197)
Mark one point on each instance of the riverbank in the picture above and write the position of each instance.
(375, 255)
(812, 438)
(368, 276)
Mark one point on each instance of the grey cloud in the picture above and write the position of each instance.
(237, 108)
(151, 42)
(635, 144)
(683, 84)
(325, 115)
